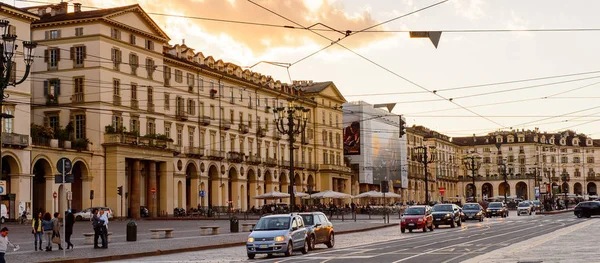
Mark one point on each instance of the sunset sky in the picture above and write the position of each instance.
(462, 58)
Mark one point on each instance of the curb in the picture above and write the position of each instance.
(181, 250)
(555, 212)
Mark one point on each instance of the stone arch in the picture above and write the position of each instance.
(298, 183)
(252, 190)
(578, 189)
(521, 190)
(232, 191)
(80, 182)
(192, 179)
(487, 190)
(214, 186)
(564, 188)
(268, 181)
(310, 181)
(284, 182)
(42, 187)
(591, 189)
(503, 188)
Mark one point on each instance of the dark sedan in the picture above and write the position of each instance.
(496, 209)
(473, 211)
(318, 229)
(587, 209)
(446, 214)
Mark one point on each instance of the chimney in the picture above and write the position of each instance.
(77, 7)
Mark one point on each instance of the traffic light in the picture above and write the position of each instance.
(120, 190)
(402, 127)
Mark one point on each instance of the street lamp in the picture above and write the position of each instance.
(473, 163)
(502, 168)
(426, 158)
(564, 177)
(294, 113)
(535, 170)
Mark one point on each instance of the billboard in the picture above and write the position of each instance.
(386, 147)
(352, 137)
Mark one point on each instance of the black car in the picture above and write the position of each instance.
(496, 209)
(446, 214)
(318, 229)
(587, 209)
(473, 211)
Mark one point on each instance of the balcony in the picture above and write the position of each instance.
(261, 132)
(225, 125)
(51, 100)
(300, 165)
(285, 164)
(271, 162)
(312, 166)
(243, 129)
(41, 141)
(333, 167)
(134, 140)
(592, 178)
(181, 115)
(177, 149)
(117, 100)
(135, 104)
(194, 151)
(16, 140)
(276, 135)
(235, 157)
(150, 107)
(216, 155)
(254, 160)
(77, 98)
(204, 120)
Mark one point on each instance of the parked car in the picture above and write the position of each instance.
(537, 205)
(446, 214)
(524, 208)
(496, 209)
(417, 217)
(318, 229)
(587, 209)
(86, 214)
(473, 211)
(277, 234)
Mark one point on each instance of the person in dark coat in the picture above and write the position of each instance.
(69, 222)
(97, 224)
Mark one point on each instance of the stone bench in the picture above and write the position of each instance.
(247, 227)
(156, 232)
(209, 230)
(89, 238)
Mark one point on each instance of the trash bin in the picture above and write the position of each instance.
(234, 224)
(131, 231)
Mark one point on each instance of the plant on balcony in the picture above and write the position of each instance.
(164, 137)
(39, 131)
(109, 129)
(80, 144)
(213, 92)
(61, 134)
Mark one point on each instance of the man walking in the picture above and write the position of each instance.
(97, 225)
(104, 228)
(4, 244)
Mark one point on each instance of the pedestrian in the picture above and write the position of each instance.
(69, 222)
(36, 230)
(97, 225)
(104, 227)
(48, 228)
(56, 223)
(4, 244)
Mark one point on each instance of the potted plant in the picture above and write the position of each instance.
(80, 144)
(42, 135)
(213, 93)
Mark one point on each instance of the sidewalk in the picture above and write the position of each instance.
(186, 237)
(577, 243)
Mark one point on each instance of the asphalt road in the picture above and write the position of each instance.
(389, 245)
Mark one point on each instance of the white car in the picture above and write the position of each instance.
(86, 214)
(524, 208)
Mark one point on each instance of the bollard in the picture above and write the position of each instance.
(343, 216)
(131, 231)
(234, 225)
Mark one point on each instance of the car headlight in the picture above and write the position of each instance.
(447, 215)
(279, 238)
(489, 210)
(479, 213)
(250, 239)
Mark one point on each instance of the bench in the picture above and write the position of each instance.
(89, 238)
(209, 230)
(247, 227)
(156, 232)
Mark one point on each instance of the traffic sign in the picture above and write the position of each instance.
(202, 193)
(2, 187)
(67, 165)
(153, 190)
(442, 190)
(68, 178)
(54, 195)
(537, 191)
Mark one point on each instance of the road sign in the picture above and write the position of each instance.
(202, 193)
(442, 190)
(68, 178)
(70, 196)
(54, 195)
(67, 165)
(153, 190)
(2, 187)
(536, 191)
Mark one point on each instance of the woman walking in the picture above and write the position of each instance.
(56, 223)
(48, 228)
(37, 231)
(69, 222)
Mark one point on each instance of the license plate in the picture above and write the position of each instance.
(411, 224)
(438, 219)
(263, 246)
(471, 217)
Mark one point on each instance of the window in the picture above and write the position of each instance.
(231, 95)
(576, 159)
(52, 57)
(151, 129)
(201, 139)
(52, 90)
(78, 89)
(191, 107)
(200, 85)
(325, 158)
(250, 101)
(149, 44)
(78, 31)
(564, 159)
(167, 101)
(190, 82)
(134, 92)
(134, 124)
(8, 122)
(53, 122)
(132, 39)
(168, 129)
(249, 121)
(150, 67)
(116, 58)
(212, 112)
(52, 34)
(590, 159)
(115, 33)
(78, 54)
(167, 75)
(80, 126)
(134, 63)
(116, 87)
(150, 99)
(178, 76)
(179, 135)
(191, 131)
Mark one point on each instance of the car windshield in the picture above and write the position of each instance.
(495, 205)
(537, 202)
(273, 223)
(442, 208)
(523, 204)
(471, 207)
(308, 220)
(415, 211)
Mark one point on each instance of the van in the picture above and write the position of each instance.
(3, 213)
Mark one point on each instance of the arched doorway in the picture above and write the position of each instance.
(80, 171)
(297, 183)
(521, 190)
(191, 186)
(504, 189)
(487, 190)
(42, 201)
(232, 189)
(283, 183)
(578, 189)
(214, 187)
(252, 189)
(179, 194)
(469, 190)
(268, 182)
(591, 189)
(564, 188)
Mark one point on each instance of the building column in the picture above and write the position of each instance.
(152, 201)
(166, 191)
(135, 190)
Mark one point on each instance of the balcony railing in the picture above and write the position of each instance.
(135, 104)
(271, 162)
(195, 151)
(235, 157)
(133, 140)
(592, 178)
(312, 166)
(261, 132)
(299, 165)
(285, 164)
(15, 139)
(181, 115)
(334, 167)
(216, 154)
(77, 98)
(177, 148)
(243, 128)
(254, 160)
(150, 107)
(225, 125)
(40, 141)
(495, 177)
(117, 100)
(204, 120)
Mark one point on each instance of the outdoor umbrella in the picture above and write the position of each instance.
(272, 195)
(330, 194)
(369, 194)
(391, 195)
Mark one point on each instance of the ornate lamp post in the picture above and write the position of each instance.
(564, 177)
(296, 123)
(502, 168)
(473, 163)
(426, 155)
(535, 170)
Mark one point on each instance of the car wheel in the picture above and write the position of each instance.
(579, 215)
(305, 247)
(588, 215)
(331, 241)
(79, 218)
(311, 242)
(403, 230)
(518, 214)
(251, 256)
(437, 226)
(290, 250)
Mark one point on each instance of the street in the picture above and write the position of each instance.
(389, 245)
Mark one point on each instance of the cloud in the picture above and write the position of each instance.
(470, 9)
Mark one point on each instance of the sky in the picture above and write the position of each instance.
(393, 68)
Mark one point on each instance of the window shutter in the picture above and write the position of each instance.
(47, 35)
(119, 34)
(72, 53)
(46, 121)
(46, 55)
(131, 59)
(84, 52)
(119, 53)
(57, 88)
(45, 88)
(59, 33)
(57, 50)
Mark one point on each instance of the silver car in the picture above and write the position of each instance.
(277, 234)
